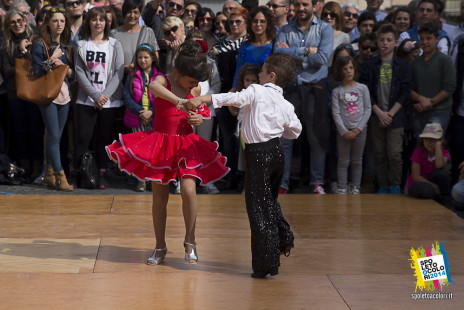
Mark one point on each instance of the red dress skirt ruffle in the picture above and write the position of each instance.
(171, 150)
(150, 155)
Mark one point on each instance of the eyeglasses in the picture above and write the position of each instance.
(167, 33)
(173, 4)
(349, 14)
(276, 6)
(205, 19)
(18, 22)
(332, 15)
(371, 48)
(219, 22)
(54, 10)
(192, 11)
(71, 3)
(235, 21)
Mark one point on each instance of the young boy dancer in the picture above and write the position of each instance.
(267, 116)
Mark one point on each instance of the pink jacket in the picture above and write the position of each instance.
(132, 98)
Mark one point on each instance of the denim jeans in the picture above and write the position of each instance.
(458, 192)
(54, 117)
(303, 97)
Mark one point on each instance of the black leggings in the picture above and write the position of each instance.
(94, 123)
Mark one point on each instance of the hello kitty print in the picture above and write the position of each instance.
(351, 99)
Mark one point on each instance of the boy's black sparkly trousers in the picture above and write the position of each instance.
(270, 232)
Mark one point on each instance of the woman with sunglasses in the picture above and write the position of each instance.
(52, 51)
(205, 22)
(174, 31)
(332, 14)
(131, 34)
(27, 124)
(191, 9)
(99, 65)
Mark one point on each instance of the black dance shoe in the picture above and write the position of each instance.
(263, 274)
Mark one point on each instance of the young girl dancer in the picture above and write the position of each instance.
(172, 149)
(351, 109)
(138, 99)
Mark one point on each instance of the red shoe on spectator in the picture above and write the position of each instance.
(282, 191)
(318, 189)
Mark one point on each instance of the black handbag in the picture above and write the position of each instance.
(88, 172)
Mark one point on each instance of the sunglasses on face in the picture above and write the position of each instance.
(276, 6)
(192, 11)
(235, 21)
(349, 14)
(332, 15)
(371, 48)
(173, 4)
(205, 19)
(17, 22)
(167, 33)
(219, 22)
(71, 3)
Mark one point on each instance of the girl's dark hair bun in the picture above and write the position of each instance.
(192, 61)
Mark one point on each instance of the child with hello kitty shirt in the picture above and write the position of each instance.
(351, 109)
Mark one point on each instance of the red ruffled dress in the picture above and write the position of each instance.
(170, 150)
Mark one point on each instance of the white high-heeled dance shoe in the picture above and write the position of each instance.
(192, 255)
(152, 260)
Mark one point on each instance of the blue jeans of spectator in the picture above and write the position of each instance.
(303, 97)
(28, 129)
(456, 127)
(54, 117)
(458, 192)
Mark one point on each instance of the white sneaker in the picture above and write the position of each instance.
(211, 189)
(177, 191)
(355, 190)
(341, 191)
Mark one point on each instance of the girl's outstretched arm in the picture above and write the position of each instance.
(158, 88)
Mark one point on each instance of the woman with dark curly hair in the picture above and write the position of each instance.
(261, 39)
(205, 22)
(402, 19)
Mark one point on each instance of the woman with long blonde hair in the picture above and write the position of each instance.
(28, 128)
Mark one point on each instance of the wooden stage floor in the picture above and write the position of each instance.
(352, 252)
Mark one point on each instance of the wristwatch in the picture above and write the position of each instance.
(306, 51)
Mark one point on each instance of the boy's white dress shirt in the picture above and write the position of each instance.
(266, 114)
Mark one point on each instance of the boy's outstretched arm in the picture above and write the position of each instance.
(194, 103)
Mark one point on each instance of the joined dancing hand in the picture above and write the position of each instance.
(193, 103)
